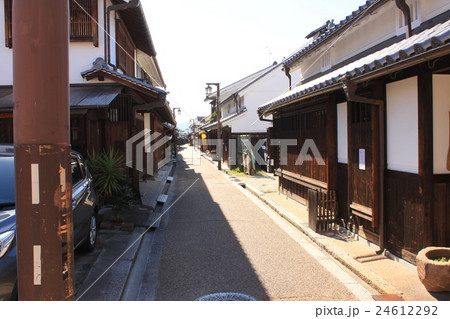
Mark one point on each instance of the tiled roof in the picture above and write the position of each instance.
(225, 120)
(333, 30)
(100, 66)
(437, 37)
(229, 90)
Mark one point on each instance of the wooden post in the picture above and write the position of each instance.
(312, 209)
(42, 150)
(331, 131)
(425, 109)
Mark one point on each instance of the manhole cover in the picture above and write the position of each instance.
(226, 296)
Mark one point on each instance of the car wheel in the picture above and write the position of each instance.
(91, 238)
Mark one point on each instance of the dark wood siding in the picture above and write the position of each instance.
(6, 129)
(404, 213)
(441, 211)
(342, 192)
(360, 134)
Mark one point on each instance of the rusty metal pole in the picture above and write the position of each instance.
(42, 150)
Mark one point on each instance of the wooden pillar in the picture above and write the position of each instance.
(331, 130)
(43, 181)
(378, 151)
(425, 109)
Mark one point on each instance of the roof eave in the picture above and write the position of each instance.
(396, 66)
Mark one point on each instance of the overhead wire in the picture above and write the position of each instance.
(128, 54)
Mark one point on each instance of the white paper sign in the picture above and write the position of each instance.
(362, 159)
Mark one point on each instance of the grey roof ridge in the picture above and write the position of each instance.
(225, 119)
(341, 26)
(416, 49)
(251, 78)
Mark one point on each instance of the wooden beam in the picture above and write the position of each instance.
(425, 110)
(331, 131)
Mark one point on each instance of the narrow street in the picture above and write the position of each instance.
(217, 239)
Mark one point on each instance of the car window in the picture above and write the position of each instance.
(7, 194)
(77, 175)
(83, 166)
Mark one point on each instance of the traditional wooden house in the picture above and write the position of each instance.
(117, 89)
(373, 98)
(239, 120)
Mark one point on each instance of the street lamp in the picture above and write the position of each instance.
(208, 91)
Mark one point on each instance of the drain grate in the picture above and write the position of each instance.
(162, 198)
(226, 296)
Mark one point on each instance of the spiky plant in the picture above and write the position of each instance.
(108, 172)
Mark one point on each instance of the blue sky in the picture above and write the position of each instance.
(199, 41)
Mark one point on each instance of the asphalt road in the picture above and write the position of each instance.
(218, 240)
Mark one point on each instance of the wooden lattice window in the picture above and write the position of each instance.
(83, 21)
(125, 50)
(8, 23)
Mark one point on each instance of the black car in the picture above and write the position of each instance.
(84, 206)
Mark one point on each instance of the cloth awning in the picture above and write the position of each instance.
(83, 96)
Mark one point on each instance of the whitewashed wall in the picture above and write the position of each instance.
(82, 54)
(342, 133)
(265, 89)
(402, 126)
(441, 128)
(372, 29)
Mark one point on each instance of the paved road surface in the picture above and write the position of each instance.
(219, 240)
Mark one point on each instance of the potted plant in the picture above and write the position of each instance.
(433, 267)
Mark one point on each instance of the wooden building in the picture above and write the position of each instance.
(374, 99)
(117, 89)
(239, 120)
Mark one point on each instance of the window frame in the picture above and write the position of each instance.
(93, 37)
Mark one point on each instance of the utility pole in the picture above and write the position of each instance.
(42, 150)
(219, 149)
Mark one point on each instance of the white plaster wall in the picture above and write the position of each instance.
(364, 34)
(342, 133)
(432, 8)
(83, 54)
(441, 128)
(370, 30)
(265, 89)
(6, 54)
(402, 126)
(249, 123)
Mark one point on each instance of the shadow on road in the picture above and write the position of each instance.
(201, 253)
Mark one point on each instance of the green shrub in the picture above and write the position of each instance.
(108, 172)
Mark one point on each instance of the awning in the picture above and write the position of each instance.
(80, 96)
(161, 106)
(93, 96)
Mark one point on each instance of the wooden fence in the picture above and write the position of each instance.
(322, 208)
